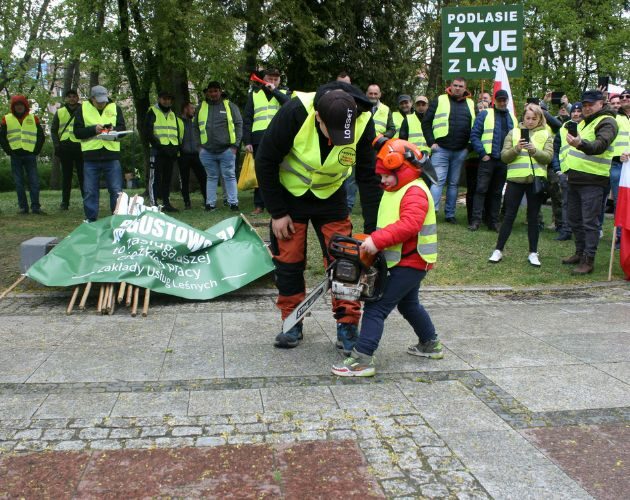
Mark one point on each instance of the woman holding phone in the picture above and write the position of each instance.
(527, 150)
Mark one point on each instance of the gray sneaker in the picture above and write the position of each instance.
(430, 349)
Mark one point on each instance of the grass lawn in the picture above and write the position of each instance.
(462, 260)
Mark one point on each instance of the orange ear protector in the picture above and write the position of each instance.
(393, 152)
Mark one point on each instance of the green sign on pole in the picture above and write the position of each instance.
(474, 38)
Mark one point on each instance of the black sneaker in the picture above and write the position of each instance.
(290, 339)
(23, 211)
(473, 226)
(39, 211)
(234, 207)
(429, 349)
(210, 208)
(563, 236)
(169, 208)
(63, 206)
(451, 220)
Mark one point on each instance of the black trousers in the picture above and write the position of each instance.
(513, 196)
(162, 172)
(258, 198)
(490, 180)
(471, 166)
(186, 163)
(583, 208)
(71, 159)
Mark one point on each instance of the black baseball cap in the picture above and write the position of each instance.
(404, 97)
(213, 84)
(338, 111)
(592, 96)
(166, 94)
(501, 94)
(71, 92)
(625, 92)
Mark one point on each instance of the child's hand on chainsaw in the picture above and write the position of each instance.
(368, 246)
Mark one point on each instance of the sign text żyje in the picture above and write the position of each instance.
(474, 38)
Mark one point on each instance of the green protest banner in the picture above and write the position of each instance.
(474, 38)
(155, 251)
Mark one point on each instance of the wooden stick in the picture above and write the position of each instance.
(117, 203)
(129, 295)
(134, 305)
(86, 292)
(121, 292)
(17, 282)
(112, 301)
(145, 306)
(99, 304)
(105, 303)
(612, 253)
(73, 299)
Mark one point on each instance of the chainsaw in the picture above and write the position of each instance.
(353, 275)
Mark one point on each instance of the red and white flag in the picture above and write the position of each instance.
(501, 82)
(622, 217)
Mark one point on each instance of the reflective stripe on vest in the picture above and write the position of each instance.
(621, 144)
(264, 110)
(564, 149)
(389, 212)
(488, 130)
(302, 170)
(21, 135)
(203, 118)
(415, 133)
(440, 120)
(64, 117)
(92, 117)
(398, 119)
(166, 128)
(380, 118)
(521, 166)
(590, 164)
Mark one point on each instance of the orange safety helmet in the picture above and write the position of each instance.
(393, 152)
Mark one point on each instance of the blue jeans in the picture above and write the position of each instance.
(223, 164)
(448, 167)
(92, 171)
(402, 292)
(20, 165)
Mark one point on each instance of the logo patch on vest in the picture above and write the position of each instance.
(347, 157)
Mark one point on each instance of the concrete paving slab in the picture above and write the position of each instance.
(188, 362)
(262, 328)
(508, 352)
(394, 359)
(472, 324)
(197, 329)
(436, 392)
(103, 364)
(138, 404)
(572, 387)
(508, 466)
(19, 405)
(107, 331)
(17, 364)
(309, 399)
(620, 371)
(77, 405)
(363, 397)
(603, 346)
(225, 402)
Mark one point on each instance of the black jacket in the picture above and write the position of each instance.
(459, 121)
(276, 144)
(83, 132)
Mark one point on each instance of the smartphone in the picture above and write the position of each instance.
(533, 100)
(572, 128)
(556, 97)
(602, 83)
(525, 134)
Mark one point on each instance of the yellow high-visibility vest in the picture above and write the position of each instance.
(389, 212)
(416, 136)
(440, 120)
(264, 110)
(21, 135)
(64, 117)
(398, 119)
(302, 169)
(590, 164)
(522, 165)
(621, 144)
(488, 130)
(203, 117)
(167, 128)
(92, 117)
(380, 118)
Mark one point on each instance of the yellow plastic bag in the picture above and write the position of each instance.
(247, 179)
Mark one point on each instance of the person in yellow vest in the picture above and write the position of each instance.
(421, 104)
(407, 236)
(409, 124)
(491, 127)
(446, 127)
(67, 146)
(306, 153)
(165, 132)
(22, 139)
(588, 170)
(100, 157)
(262, 104)
(525, 160)
(622, 147)
(404, 109)
(220, 128)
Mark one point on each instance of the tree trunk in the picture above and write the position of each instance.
(100, 22)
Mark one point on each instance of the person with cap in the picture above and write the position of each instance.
(409, 126)
(220, 127)
(189, 156)
(588, 164)
(404, 109)
(407, 236)
(446, 127)
(487, 136)
(22, 138)
(306, 153)
(165, 132)
(262, 105)
(100, 157)
(558, 164)
(421, 104)
(67, 146)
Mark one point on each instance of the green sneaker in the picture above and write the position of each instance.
(357, 365)
(430, 349)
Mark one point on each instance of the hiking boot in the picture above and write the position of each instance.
(533, 259)
(430, 349)
(169, 208)
(290, 339)
(347, 335)
(563, 236)
(496, 256)
(574, 259)
(473, 226)
(356, 365)
(585, 266)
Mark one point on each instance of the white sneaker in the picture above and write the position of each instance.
(601, 234)
(496, 256)
(533, 259)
